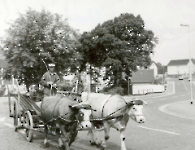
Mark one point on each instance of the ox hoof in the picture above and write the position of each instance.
(46, 145)
(92, 143)
(103, 147)
(98, 145)
(62, 147)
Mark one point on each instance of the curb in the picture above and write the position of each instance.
(164, 109)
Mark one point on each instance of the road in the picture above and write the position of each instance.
(162, 131)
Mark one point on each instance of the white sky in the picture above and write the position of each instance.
(163, 17)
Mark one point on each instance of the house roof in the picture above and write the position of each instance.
(3, 63)
(143, 76)
(153, 62)
(180, 62)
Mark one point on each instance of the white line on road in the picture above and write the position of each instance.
(2, 119)
(9, 125)
(174, 97)
(173, 92)
(159, 130)
(163, 109)
(161, 96)
(185, 87)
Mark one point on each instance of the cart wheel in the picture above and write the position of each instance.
(15, 115)
(46, 145)
(28, 123)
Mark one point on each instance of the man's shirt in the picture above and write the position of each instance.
(51, 78)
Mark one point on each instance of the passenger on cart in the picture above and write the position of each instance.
(50, 80)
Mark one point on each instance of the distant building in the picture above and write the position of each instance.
(153, 66)
(180, 67)
(143, 76)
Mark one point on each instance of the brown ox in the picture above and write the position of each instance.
(65, 115)
(105, 105)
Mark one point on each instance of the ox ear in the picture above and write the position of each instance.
(73, 108)
(131, 103)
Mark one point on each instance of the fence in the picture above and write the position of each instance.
(145, 91)
(147, 88)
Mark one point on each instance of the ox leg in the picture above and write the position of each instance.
(46, 144)
(60, 143)
(66, 141)
(106, 135)
(94, 138)
(122, 137)
(91, 135)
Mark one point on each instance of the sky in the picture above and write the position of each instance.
(163, 17)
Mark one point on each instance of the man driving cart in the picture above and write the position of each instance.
(50, 80)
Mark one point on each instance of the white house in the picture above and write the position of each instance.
(154, 67)
(180, 67)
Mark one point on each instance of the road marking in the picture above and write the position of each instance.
(173, 92)
(9, 125)
(161, 96)
(185, 87)
(174, 96)
(163, 109)
(159, 130)
(2, 119)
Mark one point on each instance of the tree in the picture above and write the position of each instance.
(36, 37)
(120, 45)
(161, 69)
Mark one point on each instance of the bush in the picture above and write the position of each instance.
(113, 90)
(2, 91)
(158, 81)
(124, 84)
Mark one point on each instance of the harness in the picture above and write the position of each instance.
(62, 117)
(113, 116)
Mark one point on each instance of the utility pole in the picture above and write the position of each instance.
(186, 25)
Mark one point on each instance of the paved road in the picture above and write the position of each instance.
(161, 131)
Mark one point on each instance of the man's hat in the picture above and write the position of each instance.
(51, 64)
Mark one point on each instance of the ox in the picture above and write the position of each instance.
(65, 115)
(109, 106)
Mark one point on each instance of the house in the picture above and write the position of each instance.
(142, 82)
(143, 76)
(153, 66)
(180, 67)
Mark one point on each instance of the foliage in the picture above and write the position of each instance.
(161, 69)
(124, 84)
(113, 90)
(2, 91)
(120, 44)
(37, 36)
(158, 81)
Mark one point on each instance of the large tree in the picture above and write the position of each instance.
(36, 37)
(120, 45)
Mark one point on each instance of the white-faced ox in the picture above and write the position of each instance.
(65, 115)
(108, 107)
